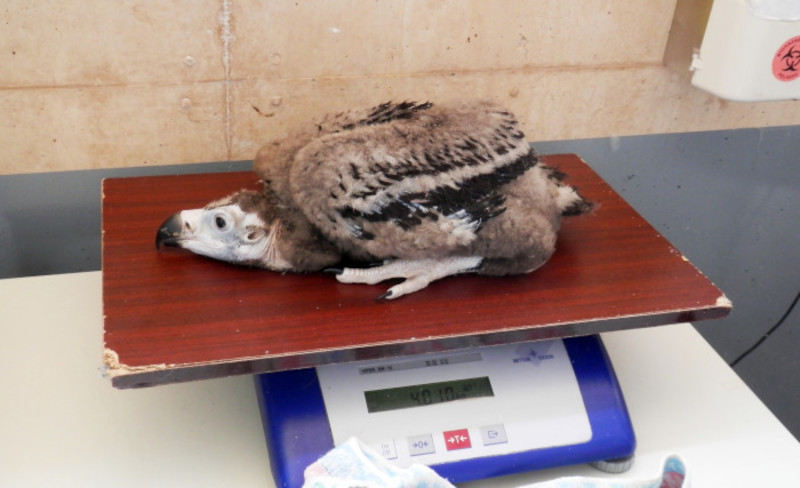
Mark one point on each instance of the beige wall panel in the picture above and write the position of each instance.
(263, 110)
(479, 35)
(551, 104)
(653, 100)
(97, 42)
(316, 38)
(55, 129)
(130, 83)
(266, 109)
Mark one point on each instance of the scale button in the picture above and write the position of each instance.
(457, 439)
(386, 449)
(421, 444)
(493, 434)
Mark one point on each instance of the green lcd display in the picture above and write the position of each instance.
(427, 394)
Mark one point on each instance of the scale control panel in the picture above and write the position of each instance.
(440, 408)
(452, 440)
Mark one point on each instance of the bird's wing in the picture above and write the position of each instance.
(274, 159)
(380, 114)
(411, 174)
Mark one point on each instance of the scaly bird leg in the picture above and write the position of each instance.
(417, 273)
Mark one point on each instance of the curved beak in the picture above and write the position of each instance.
(169, 232)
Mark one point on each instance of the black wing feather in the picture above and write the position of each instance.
(476, 199)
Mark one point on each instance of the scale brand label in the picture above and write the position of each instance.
(786, 62)
(533, 353)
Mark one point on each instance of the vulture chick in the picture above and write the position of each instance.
(427, 190)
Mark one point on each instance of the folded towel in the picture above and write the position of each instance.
(353, 464)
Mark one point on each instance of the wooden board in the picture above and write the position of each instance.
(172, 316)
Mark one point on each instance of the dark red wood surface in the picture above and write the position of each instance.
(173, 316)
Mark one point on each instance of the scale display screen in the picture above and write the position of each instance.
(427, 394)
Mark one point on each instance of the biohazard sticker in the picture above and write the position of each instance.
(786, 63)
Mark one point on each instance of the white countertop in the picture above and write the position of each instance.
(62, 424)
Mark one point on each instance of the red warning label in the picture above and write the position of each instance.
(786, 62)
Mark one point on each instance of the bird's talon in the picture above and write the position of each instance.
(385, 296)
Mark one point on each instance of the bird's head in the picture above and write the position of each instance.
(238, 229)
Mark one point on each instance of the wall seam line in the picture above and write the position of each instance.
(227, 37)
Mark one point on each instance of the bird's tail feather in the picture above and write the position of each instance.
(570, 202)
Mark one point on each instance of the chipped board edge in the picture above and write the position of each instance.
(125, 377)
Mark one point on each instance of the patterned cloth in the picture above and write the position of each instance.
(354, 465)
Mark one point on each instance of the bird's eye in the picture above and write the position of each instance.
(220, 222)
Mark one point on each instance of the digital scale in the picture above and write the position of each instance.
(468, 414)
